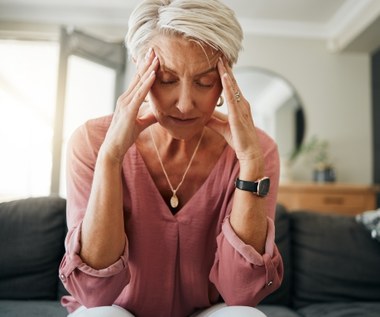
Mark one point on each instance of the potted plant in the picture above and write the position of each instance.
(317, 151)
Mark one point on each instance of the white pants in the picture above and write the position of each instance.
(219, 310)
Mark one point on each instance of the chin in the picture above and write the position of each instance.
(182, 132)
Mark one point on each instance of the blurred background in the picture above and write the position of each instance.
(310, 69)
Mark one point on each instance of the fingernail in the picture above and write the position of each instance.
(148, 53)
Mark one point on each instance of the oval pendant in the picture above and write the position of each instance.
(174, 201)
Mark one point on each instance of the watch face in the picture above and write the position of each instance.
(263, 187)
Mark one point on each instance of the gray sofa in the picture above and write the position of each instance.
(332, 265)
(32, 232)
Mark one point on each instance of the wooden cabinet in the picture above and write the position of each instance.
(348, 199)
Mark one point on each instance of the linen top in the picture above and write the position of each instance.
(172, 264)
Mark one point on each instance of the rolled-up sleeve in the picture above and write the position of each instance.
(89, 286)
(242, 275)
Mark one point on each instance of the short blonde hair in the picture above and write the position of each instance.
(208, 22)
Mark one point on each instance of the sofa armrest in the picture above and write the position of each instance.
(32, 233)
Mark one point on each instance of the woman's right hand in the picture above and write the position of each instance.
(103, 227)
(131, 115)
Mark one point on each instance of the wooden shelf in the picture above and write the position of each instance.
(340, 198)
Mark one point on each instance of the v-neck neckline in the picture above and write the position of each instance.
(152, 184)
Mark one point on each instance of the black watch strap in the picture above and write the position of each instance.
(259, 187)
(245, 185)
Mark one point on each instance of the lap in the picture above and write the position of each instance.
(222, 310)
(219, 310)
(103, 311)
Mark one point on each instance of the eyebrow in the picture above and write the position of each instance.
(210, 70)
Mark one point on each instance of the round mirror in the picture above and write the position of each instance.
(276, 107)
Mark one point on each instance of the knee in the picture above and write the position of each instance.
(241, 311)
(103, 311)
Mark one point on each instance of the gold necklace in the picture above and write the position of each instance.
(174, 201)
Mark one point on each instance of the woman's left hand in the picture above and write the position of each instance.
(238, 127)
(239, 131)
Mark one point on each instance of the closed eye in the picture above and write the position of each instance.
(207, 80)
(167, 82)
(205, 85)
(165, 78)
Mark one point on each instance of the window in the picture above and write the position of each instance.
(28, 72)
(89, 94)
(47, 89)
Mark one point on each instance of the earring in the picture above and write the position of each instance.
(220, 101)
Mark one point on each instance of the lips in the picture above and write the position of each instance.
(183, 120)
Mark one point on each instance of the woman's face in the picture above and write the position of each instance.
(187, 85)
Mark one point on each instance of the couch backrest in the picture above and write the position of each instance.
(32, 233)
(334, 260)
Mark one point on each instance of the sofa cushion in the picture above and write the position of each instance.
(358, 309)
(32, 233)
(36, 308)
(335, 260)
(282, 222)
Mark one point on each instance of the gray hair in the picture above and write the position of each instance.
(207, 22)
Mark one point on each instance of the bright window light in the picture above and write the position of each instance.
(90, 93)
(28, 84)
(28, 79)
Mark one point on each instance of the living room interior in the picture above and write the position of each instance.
(321, 54)
(313, 65)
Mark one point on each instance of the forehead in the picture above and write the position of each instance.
(184, 55)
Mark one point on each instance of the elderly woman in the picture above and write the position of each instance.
(169, 206)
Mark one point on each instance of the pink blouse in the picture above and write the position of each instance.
(172, 264)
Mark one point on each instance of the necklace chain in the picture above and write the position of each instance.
(174, 201)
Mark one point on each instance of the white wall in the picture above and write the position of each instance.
(335, 91)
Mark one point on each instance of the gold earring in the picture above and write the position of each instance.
(220, 101)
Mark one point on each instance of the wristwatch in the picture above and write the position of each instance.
(259, 187)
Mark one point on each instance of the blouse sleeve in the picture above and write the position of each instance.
(90, 287)
(241, 274)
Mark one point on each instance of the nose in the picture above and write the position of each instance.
(185, 99)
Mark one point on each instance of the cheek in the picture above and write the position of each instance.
(156, 99)
(153, 106)
(158, 102)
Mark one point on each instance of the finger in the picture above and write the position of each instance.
(150, 63)
(142, 88)
(228, 70)
(228, 87)
(140, 92)
(142, 69)
(144, 63)
(234, 96)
